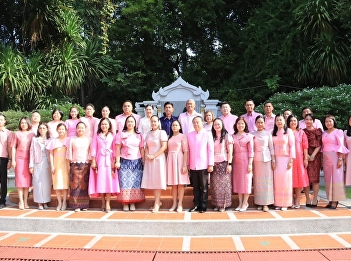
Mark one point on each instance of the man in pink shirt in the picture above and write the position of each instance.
(250, 115)
(127, 111)
(5, 158)
(201, 161)
(269, 117)
(89, 120)
(186, 118)
(228, 118)
(317, 123)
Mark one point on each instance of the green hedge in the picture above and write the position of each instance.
(323, 101)
(13, 117)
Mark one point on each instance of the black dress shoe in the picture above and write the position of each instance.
(2, 205)
(308, 205)
(329, 205)
(203, 210)
(194, 209)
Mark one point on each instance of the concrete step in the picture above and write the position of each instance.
(165, 223)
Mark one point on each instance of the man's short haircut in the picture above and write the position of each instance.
(168, 103)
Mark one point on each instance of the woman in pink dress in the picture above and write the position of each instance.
(39, 167)
(242, 163)
(221, 180)
(333, 149)
(347, 134)
(57, 116)
(78, 155)
(103, 179)
(129, 162)
(177, 162)
(263, 166)
(314, 137)
(284, 151)
(72, 121)
(59, 166)
(20, 144)
(154, 175)
(299, 167)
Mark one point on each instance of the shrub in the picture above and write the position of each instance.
(13, 117)
(323, 101)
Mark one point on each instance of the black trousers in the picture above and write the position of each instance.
(3, 179)
(199, 181)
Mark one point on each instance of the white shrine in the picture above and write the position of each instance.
(178, 93)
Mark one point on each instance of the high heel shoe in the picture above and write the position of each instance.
(132, 207)
(314, 205)
(329, 204)
(64, 206)
(155, 209)
(125, 207)
(244, 209)
(172, 208)
(179, 209)
(334, 207)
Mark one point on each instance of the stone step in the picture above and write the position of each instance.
(166, 199)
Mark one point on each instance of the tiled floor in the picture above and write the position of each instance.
(178, 243)
(243, 243)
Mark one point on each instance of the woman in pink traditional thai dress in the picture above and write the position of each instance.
(129, 162)
(314, 137)
(103, 179)
(333, 153)
(264, 164)
(242, 163)
(221, 180)
(78, 155)
(59, 166)
(57, 116)
(177, 162)
(299, 168)
(20, 144)
(347, 134)
(284, 151)
(154, 175)
(72, 121)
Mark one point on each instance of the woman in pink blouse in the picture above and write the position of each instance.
(39, 167)
(284, 150)
(78, 155)
(264, 164)
(333, 149)
(20, 144)
(221, 180)
(72, 121)
(242, 163)
(299, 167)
(103, 179)
(347, 135)
(129, 162)
(209, 118)
(57, 116)
(177, 162)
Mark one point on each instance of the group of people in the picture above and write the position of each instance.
(276, 155)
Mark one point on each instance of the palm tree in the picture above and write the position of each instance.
(14, 78)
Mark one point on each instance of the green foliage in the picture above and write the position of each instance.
(322, 101)
(13, 116)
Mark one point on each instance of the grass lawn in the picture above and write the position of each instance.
(348, 191)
